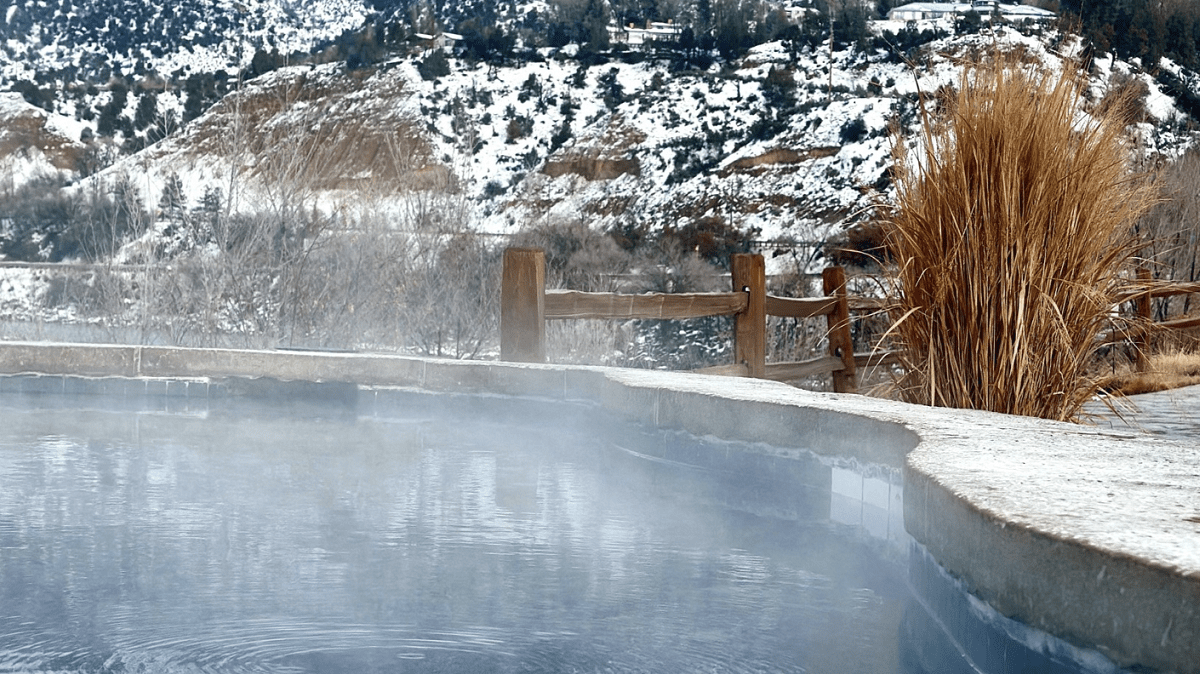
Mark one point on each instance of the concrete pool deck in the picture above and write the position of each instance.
(1089, 533)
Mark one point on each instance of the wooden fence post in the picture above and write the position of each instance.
(1142, 307)
(523, 306)
(749, 273)
(841, 343)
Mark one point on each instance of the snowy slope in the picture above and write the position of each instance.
(129, 36)
(34, 143)
(792, 146)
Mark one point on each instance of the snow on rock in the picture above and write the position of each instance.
(22, 290)
(34, 143)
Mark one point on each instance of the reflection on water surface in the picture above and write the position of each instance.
(260, 539)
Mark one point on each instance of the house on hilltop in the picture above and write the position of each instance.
(655, 31)
(797, 12)
(442, 40)
(917, 11)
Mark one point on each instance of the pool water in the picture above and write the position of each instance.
(435, 537)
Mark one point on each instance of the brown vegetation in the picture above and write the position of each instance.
(1164, 371)
(322, 132)
(1010, 232)
(592, 168)
(862, 245)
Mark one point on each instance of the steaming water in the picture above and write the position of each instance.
(262, 539)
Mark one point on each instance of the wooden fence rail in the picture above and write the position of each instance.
(576, 304)
(1154, 289)
(1151, 289)
(526, 305)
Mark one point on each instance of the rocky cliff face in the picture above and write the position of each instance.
(34, 142)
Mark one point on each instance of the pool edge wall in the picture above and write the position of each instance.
(992, 498)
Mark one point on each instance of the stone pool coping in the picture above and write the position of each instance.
(1090, 534)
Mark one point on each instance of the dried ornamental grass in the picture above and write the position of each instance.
(1009, 232)
(1164, 371)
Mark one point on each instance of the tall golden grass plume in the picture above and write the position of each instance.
(1010, 229)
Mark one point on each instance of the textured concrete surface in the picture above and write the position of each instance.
(1091, 533)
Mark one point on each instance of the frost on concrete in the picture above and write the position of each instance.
(1120, 491)
(1090, 534)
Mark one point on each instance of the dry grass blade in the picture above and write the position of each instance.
(1010, 231)
(1164, 371)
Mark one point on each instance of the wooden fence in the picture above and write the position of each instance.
(1141, 298)
(526, 305)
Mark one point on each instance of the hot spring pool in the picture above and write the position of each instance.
(443, 538)
(159, 525)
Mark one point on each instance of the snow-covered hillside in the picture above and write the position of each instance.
(34, 142)
(128, 36)
(331, 203)
(788, 145)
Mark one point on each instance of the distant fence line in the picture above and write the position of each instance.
(526, 305)
(1145, 290)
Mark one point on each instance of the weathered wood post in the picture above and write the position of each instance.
(1142, 306)
(841, 343)
(523, 306)
(749, 273)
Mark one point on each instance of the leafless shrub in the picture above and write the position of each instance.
(1170, 231)
(577, 257)
(581, 258)
(1125, 100)
(665, 267)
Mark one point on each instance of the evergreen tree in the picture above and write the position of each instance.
(779, 89)
(687, 42)
(173, 202)
(361, 48)
(434, 66)
(610, 89)
(489, 45)
(110, 115)
(1138, 29)
(704, 15)
(1181, 43)
(34, 95)
(559, 35)
(147, 110)
(595, 24)
(207, 216)
(850, 23)
(201, 91)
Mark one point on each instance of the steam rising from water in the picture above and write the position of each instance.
(261, 541)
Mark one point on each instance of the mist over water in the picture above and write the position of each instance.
(264, 539)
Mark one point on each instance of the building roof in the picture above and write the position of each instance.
(944, 8)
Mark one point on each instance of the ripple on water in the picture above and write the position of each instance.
(252, 542)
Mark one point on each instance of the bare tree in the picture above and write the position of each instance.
(1171, 230)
